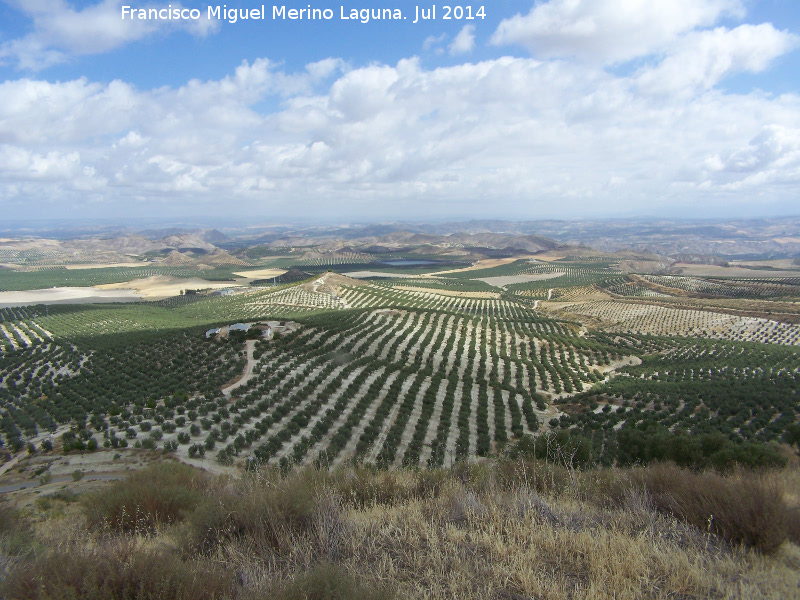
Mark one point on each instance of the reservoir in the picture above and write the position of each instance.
(408, 263)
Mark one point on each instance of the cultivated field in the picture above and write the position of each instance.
(320, 410)
(414, 371)
(661, 320)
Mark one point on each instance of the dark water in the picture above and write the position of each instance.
(409, 263)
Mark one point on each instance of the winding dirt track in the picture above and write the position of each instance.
(248, 370)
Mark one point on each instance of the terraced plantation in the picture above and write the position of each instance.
(429, 381)
(712, 390)
(414, 371)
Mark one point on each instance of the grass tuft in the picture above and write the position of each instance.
(746, 509)
(158, 495)
(116, 569)
(327, 581)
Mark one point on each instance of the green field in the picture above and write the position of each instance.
(63, 277)
(381, 373)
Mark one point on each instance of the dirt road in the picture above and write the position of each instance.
(248, 370)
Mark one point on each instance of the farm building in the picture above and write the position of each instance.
(212, 332)
(239, 327)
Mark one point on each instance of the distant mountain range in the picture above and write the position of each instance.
(693, 241)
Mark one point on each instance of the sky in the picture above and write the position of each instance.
(549, 109)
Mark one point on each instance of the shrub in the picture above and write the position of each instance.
(361, 487)
(327, 581)
(272, 513)
(196, 449)
(562, 447)
(116, 569)
(159, 494)
(747, 509)
(15, 531)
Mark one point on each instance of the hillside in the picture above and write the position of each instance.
(516, 528)
(435, 402)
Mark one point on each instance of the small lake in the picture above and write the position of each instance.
(409, 263)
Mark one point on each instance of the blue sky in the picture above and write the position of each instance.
(563, 108)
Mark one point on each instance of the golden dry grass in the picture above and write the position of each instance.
(505, 530)
(163, 286)
(265, 273)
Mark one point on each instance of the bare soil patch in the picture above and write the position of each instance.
(164, 287)
(67, 295)
(261, 273)
(740, 272)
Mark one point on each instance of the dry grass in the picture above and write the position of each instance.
(326, 581)
(117, 568)
(508, 530)
(747, 508)
(157, 495)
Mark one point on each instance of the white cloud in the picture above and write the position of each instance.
(22, 164)
(608, 31)
(322, 69)
(464, 42)
(510, 137)
(432, 41)
(771, 157)
(701, 59)
(61, 31)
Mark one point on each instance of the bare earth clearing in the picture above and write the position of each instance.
(67, 295)
(261, 273)
(739, 272)
(164, 287)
